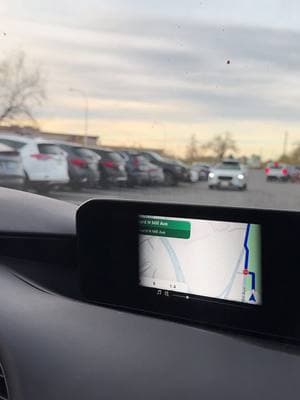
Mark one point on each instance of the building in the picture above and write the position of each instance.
(92, 140)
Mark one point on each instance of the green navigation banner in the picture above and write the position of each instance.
(164, 227)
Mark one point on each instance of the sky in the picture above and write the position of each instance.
(157, 72)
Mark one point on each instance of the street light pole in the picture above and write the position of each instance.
(86, 113)
(86, 121)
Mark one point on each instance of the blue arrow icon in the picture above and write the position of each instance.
(252, 297)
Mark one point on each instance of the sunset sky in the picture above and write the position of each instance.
(156, 72)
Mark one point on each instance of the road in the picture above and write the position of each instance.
(260, 194)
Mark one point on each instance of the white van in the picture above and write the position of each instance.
(45, 163)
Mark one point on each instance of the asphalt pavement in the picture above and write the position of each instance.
(260, 194)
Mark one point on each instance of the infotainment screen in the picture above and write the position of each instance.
(189, 258)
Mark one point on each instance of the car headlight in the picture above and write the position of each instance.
(211, 175)
(241, 176)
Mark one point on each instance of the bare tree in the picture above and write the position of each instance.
(221, 144)
(21, 88)
(293, 157)
(192, 151)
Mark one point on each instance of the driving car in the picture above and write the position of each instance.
(173, 172)
(141, 171)
(82, 164)
(228, 174)
(111, 167)
(276, 171)
(44, 163)
(11, 168)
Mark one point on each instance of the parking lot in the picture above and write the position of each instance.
(260, 194)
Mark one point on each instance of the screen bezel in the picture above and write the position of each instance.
(108, 238)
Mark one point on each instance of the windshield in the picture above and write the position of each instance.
(275, 166)
(139, 159)
(187, 85)
(155, 156)
(228, 165)
(116, 157)
(82, 152)
(49, 149)
(12, 143)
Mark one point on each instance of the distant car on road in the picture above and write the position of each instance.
(228, 174)
(173, 172)
(83, 166)
(44, 163)
(276, 171)
(111, 166)
(11, 168)
(140, 170)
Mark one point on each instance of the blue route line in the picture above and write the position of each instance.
(253, 280)
(246, 247)
(246, 266)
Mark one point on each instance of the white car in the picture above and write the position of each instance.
(45, 163)
(228, 174)
(193, 175)
(277, 172)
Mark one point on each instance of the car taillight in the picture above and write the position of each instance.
(267, 170)
(41, 156)
(284, 171)
(109, 164)
(79, 162)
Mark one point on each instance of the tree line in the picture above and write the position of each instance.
(292, 157)
(213, 150)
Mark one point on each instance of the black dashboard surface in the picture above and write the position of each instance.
(53, 346)
(25, 212)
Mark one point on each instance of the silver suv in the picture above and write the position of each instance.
(228, 174)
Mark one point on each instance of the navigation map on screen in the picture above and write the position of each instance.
(192, 257)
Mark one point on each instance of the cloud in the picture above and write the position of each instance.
(162, 60)
(166, 69)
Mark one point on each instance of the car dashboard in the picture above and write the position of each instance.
(56, 345)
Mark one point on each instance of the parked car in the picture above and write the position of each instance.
(44, 163)
(295, 174)
(193, 175)
(190, 174)
(173, 172)
(185, 170)
(228, 174)
(11, 168)
(276, 171)
(140, 170)
(203, 170)
(83, 166)
(111, 166)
